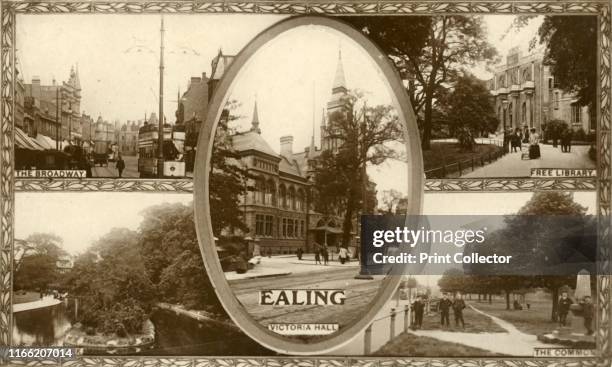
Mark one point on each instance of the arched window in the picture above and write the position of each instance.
(270, 193)
(259, 191)
(291, 200)
(282, 193)
(510, 114)
(299, 203)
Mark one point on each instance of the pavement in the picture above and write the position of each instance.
(288, 264)
(110, 171)
(511, 164)
(46, 301)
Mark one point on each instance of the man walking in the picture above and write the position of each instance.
(564, 306)
(587, 313)
(418, 307)
(120, 165)
(444, 306)
(458, 306)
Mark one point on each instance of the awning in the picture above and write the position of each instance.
(23, 141)
(45, 141)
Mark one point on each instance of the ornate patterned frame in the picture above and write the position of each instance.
(602, 184)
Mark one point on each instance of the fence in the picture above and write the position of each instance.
(458, 168)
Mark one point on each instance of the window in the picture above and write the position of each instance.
(270, 190)
(284, 227)
(302, 229)
(283, 196)
(556, 100)
(269, 225)
(259, 225)
(299, 204)
(291, 203)
(290, 228)
(510, 107)
(576, 113)
(524, 112)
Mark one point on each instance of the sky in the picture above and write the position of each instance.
(82, 218)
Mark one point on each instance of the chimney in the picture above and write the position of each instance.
(286, 143)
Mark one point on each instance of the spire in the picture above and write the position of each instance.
(77, 81)
(255, 121)
(339, 80)
(311, 150)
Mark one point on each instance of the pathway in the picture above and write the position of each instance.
(46, 301)
(511, 164)
(512, 342)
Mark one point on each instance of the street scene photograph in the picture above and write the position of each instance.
(494, 95)
(457, 314)
(293, 169)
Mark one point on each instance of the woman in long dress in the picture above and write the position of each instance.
(534, 144)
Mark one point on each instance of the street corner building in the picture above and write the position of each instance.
(526, 95)
(279, 212)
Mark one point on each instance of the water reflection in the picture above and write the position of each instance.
(41, 327)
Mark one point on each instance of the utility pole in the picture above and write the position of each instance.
(160, 129)
(57, 119)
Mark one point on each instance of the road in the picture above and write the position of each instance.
(131, 169)
(359, 294)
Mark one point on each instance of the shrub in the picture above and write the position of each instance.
(593, 153)
(580, 135)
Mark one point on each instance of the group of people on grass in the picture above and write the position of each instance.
(445, 305)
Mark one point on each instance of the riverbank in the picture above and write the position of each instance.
(200, 316)
(111, 344)
(46, 301)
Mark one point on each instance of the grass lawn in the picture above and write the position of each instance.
(445, 153)
(407, 344)
(534, 321)
(474, 323)
(27, 297)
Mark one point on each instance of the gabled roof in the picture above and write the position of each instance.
(220, 64)
(251, 140)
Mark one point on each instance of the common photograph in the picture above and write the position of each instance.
(494, 95)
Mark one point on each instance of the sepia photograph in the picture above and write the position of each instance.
(494, 95)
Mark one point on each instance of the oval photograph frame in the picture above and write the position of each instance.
(206, 239)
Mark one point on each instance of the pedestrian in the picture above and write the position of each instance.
(300, 252)
(534, 144)
(564, 306)
(325, 254)
(418, 307)
(515, 139)
(317, 255)
(120, 164)
(568, 140)
(343, 255)
(587, 313)
(458, 306)
(444, 306)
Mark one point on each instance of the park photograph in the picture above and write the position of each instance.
(455, 313)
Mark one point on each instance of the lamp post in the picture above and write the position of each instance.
(160, 131)
(506, 137)
(70, 124)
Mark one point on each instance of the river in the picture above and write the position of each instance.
(175, 334)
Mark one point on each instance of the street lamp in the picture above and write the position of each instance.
(506, 137)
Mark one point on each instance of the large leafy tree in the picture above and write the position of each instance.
(571, 52)
(428, 52)
(172, 259)
(110, 282)
(37, 267)
(364, 134)
(467, 109)
(228, 177)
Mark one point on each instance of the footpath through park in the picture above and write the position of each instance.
(511, 342)
(46, 301)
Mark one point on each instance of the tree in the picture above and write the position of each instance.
(228, 178)
(541, 236)
(364, 133)
(390, 200)
(428, 51)
(38, 266)
(110, 282)
(172, 259)
(571, 52)
(467, 109)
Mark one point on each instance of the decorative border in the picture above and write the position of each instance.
(602, 185)
(180, 185)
